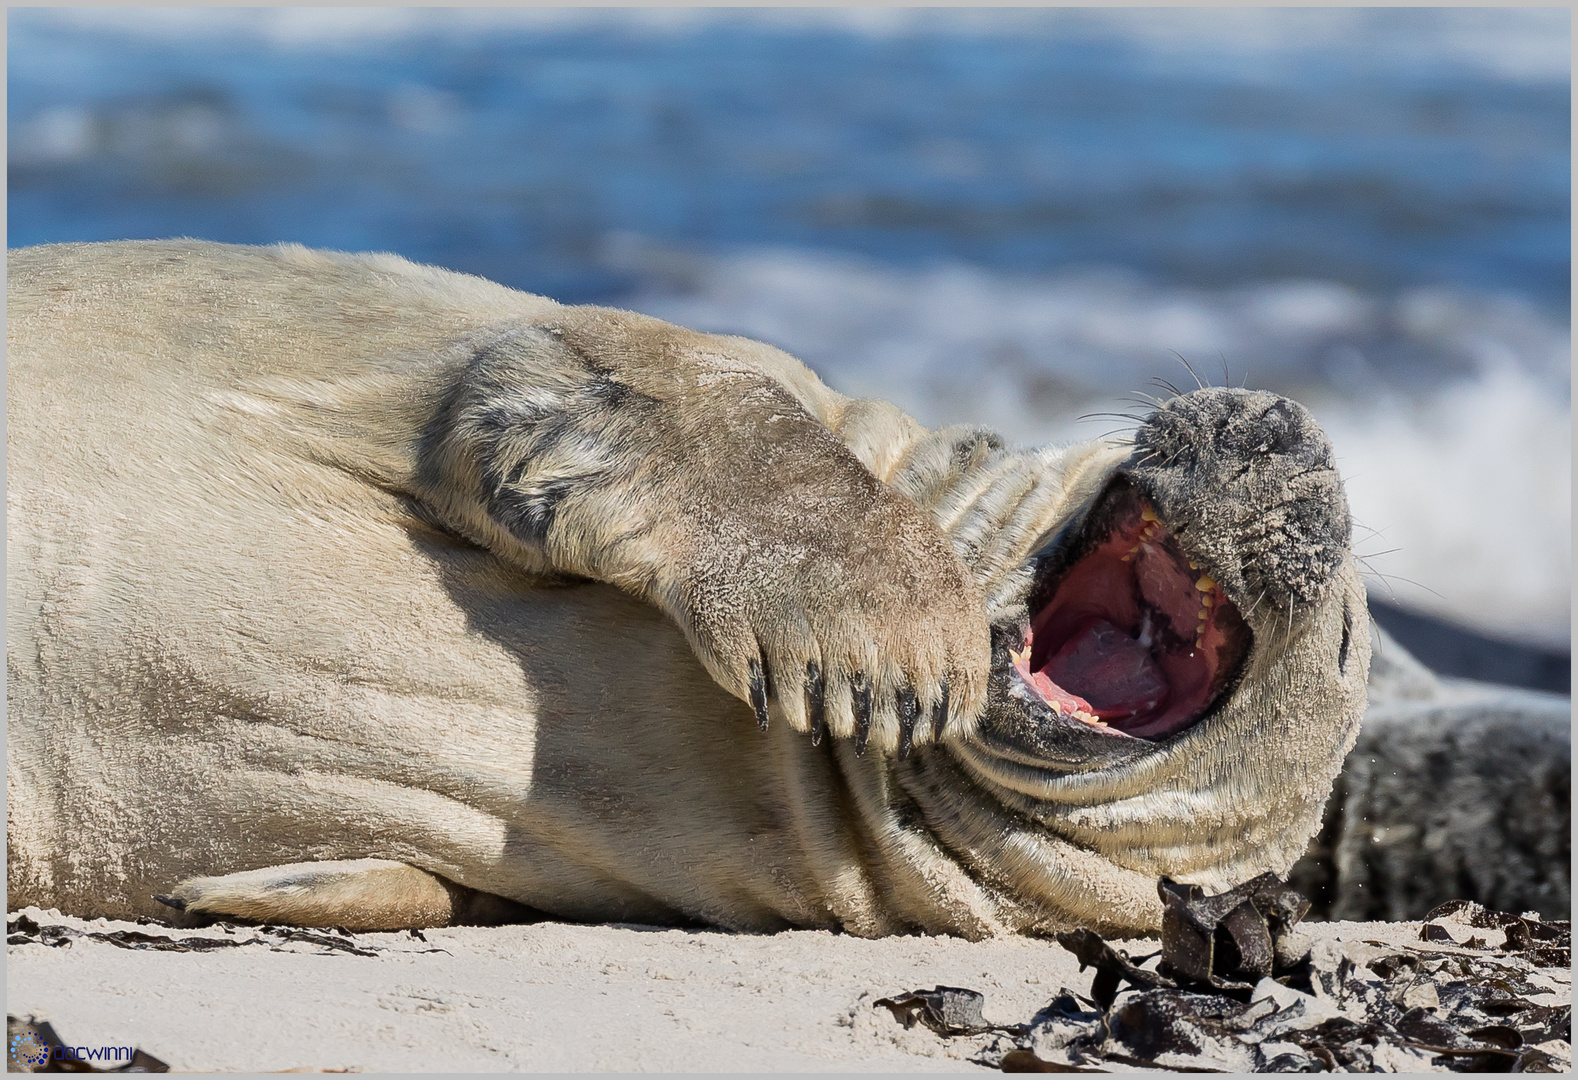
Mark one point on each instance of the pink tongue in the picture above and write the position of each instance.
(1110, 670)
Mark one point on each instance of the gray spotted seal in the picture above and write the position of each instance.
(346, 591)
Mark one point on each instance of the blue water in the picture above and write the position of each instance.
(515, 153)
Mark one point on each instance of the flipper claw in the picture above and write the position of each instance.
(860, 691)
(909, 713)
(816, 703)
(759, 693)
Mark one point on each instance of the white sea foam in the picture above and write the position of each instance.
(1450, 410)
(1469, 491)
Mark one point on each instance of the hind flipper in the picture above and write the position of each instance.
(357, 894)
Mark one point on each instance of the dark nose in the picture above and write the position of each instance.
(1247, 480)
(1238, 425)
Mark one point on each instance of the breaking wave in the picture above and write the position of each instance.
(1450, 409)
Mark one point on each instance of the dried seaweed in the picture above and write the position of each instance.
(1230, 941)
(1113, 967)
(947, 1010)
(23, 930)
(1236, 988)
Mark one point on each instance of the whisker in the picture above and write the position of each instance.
(1385, 578)
(1113, 415)
(1166, 385)
(1390, 592)
(1375, 636)
(1197, 383)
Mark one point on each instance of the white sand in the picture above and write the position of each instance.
(543, 997)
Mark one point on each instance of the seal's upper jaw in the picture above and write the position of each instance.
(1250, 480)
(1127, 635)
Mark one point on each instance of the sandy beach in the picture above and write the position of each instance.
(541, 997)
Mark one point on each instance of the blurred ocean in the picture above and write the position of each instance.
(1014, 218)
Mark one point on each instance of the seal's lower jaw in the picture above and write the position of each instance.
(1130, 638)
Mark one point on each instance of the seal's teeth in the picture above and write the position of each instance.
(1147, 514)
(1209, 594)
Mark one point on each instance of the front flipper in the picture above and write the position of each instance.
(690, 470)
(357, 894)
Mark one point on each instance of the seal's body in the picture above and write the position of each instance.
(344, 591)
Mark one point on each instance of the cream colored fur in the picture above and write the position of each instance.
(331, 558)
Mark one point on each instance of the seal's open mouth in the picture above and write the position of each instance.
(1130, 638)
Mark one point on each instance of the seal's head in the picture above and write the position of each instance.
(1180, 654)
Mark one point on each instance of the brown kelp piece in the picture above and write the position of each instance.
(1231, 940)
(1113, 968)
(23, 930)
(947, 1010)
(1174, 1028)
(1544, 943)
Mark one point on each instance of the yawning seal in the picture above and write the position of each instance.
(345, 591)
